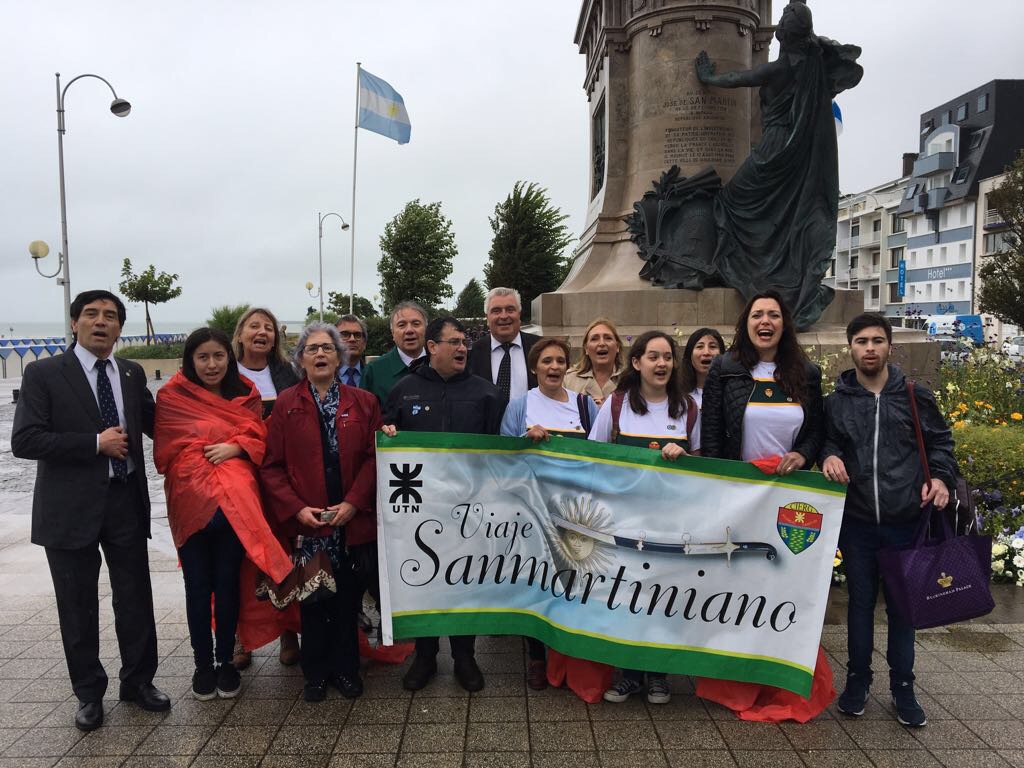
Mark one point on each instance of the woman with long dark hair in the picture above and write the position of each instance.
(209, 437)
(762, 402)
(703, 346)
(649, 409)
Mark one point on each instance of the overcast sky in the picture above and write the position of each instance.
(242, 124)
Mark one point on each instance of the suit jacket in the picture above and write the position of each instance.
(381, 375)
(479, 362)
(292, 474)
(56, 423)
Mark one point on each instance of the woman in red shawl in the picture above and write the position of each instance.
(209, 439)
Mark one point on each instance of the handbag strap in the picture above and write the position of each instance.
(583, 406)
(917, 432)
(617, 398)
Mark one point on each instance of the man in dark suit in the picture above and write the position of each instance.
(500, 357)
(81, 415)
(353, 332)
(408, 329)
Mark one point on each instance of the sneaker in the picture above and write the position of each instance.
(622, 690)
(855, 695)
(204, 683)
(314, 691)
(908, 710)
(349, 686)
(657, 691)
(422, 669)
(229, 682)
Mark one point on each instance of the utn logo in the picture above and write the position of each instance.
(405, 484)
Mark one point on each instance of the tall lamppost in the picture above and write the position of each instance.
(320, 259)
(38, 249)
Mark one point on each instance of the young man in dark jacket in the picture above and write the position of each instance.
(440, 395)
(870, 445)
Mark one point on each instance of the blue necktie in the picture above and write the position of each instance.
(108, 411)
(350, 376)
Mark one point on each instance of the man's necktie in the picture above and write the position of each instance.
(350, 377)
(108, 411)
(504, 382)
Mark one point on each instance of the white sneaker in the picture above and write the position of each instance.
(657, 691)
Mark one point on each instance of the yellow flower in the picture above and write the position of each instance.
(1016, 416)
(979, 403)
(959, 424)
(989, 407)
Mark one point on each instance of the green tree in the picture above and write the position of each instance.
(313, 316)
(226, 317)
(1002, 273)
(417, 249)
(470, 301)
(147, 288)
(528, 249)
(338, 304)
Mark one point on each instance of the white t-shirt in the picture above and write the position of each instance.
(650, 430)
(553, 415)
(698, 398)
(772, 420)
(262, 380)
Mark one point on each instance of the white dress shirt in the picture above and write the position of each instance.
(88, 361)
(410, 360)
(519, 383)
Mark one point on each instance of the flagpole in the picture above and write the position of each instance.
(355, 155)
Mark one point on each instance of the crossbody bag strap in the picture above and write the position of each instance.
(583, 407)
(917, 432)
(691, 417)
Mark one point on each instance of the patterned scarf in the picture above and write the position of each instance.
(328, 408)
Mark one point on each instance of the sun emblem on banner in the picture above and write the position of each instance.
(573, 549)
(799, 525)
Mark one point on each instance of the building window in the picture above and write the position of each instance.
(898, 224)
(895, 257)
(855, 230)
(927, 127)
(961, 112)
(983, 103)
(876, 257)
(853, 262)
(963, 251)
(597, 131)
(946, 117)
(894, 294)
(976, 139)
(876, 225)
(961, 174)
(995, 242)
(874, 293)
(911, 191)
(930, 257)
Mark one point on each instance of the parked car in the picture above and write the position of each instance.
(1013, 347)
(952, 348)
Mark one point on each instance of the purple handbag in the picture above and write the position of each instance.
(937, 579)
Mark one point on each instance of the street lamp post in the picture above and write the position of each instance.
(120, 108)
(320, 259)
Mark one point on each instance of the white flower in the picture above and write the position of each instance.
(998, 550)
(1017, 543)
(998, 566)
(1018, 561)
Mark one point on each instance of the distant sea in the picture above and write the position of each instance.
(14, 329)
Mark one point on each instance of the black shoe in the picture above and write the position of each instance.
(229, 682)
(204, 683)
(855, 695)
(468, 674)
(349, 686)
(89, 716)
(419, 674)
(314, 691)
(908, 710)
(146, 695)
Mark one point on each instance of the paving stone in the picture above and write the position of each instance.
(879, 734)
(766, 759)
(632, 759)
(232, 740)
(835, 758)
(363, 761)
(273, 688)
(740, 734)
(111, 740)
(295, 761)
(497, 760)
(901, 758)
(503, 685)
(497, 737)
(333, 711)
(367, 711)
(304, 739)
(23, 715)
(557, 737)
(817, 736)
(718, 758)
(10, 735)
(226, 761)
(947, 734)
(630, 735)
(633, 708)
(679, 708)
(430, 760)
(555, 704)
(439, 710)
(176, 740)
(90, 761)
(1014, 757)
(258, 712)
(504, 663)
(565, 760)
(44, 742)
(369, 739)
(157, 761)
(1007, 735)
(434, 737)
(497, 709)
(969, 758)
(193, 712)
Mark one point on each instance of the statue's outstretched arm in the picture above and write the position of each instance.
(745, 78)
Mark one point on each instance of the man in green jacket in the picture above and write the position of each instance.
(408, 329)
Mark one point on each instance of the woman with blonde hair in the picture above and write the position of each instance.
(598, 371)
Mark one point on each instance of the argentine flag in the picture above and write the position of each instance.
(381, 109)
(837, 113)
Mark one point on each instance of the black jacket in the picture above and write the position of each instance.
(726, 392)
(56, 422)
(479, 362)
(283, 375)
(854, 417)
(425, 402)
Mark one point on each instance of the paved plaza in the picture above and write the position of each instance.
(970, 681)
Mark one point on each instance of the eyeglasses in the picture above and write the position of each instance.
(351, 334)
(454, 343)
(312, 349)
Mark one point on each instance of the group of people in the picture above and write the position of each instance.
(270, 472)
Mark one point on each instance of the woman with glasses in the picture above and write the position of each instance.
(319, 479)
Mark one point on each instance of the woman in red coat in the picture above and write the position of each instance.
(319, 481)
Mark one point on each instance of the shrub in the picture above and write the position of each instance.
(156, 351)
(378, 336)
(226, 317)
(986, 388)
(992, 461)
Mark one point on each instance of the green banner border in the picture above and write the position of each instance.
(680, 660)
(607, 453)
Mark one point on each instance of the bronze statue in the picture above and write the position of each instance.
(776, 218)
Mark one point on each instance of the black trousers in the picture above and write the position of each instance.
(210, 562)
(330, 644)
(75, 574)
(462, 646)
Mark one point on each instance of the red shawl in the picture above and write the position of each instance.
(189, 418)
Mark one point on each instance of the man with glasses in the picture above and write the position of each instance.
(353, 337)
(442, 396)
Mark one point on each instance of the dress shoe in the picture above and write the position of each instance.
(146, 695)
(349, 686)
(419, 674)
(468, 674)
(241, 658)
(537, 675)
(89, 716)
(289, 655)
(314, 691)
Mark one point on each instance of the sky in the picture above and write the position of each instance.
(241, 130)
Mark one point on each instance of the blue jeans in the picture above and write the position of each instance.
(860, 542)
